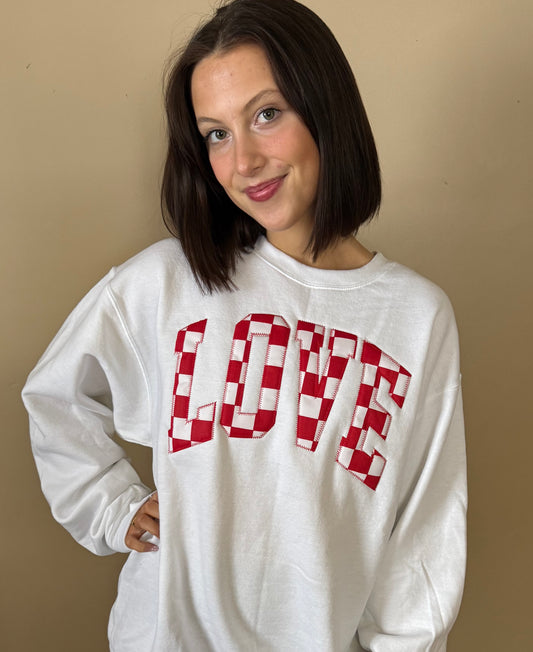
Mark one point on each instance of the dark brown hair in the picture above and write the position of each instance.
(315, 78)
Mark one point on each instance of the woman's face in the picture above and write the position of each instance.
(261, 152)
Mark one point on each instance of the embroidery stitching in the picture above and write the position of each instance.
(200, 428)
(369, 413)
(317, 391)
(254, 424)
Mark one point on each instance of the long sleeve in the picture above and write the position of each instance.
(416, 597)
(89, 385)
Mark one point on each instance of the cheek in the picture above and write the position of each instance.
(301, 149)
(313, 163)
(221, 170)
(309, 152)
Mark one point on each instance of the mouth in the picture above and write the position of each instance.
(264, 191)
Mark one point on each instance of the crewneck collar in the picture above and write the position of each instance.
(320, 278)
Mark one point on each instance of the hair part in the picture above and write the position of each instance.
(315, 78)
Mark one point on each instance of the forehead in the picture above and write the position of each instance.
(231, 76)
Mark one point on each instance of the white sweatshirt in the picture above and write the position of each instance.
(308, 451)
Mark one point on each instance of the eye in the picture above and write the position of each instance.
(215, 136)
(267, 115)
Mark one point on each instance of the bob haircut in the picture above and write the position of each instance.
(315, 78)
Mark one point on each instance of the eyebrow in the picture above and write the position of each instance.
(247, 106)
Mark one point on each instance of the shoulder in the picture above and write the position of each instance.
(157, 275)
(150, 268)
(421, 314)
(159, 257)
(413, 291)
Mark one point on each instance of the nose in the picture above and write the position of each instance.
(248, 155)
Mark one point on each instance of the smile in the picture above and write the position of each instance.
(264, 191)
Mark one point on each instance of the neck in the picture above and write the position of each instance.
(345, 253)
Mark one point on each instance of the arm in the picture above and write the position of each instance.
(416, 598)
(89, 384)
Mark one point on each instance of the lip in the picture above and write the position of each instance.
(264, 191)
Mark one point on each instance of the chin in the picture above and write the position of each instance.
(275, 223)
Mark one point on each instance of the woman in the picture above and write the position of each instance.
(301, 394)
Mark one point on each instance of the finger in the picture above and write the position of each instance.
(134, 543)
(143, 522)
(151, 507)
(133, 538)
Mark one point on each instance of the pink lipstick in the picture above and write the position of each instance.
(264, 191)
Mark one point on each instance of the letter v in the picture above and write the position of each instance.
(184, 432)
(317, 393)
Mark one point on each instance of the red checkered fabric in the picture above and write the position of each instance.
(368, 465)
(317, 392)
(185, 432)
(254, 424)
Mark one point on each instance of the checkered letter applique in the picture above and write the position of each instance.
(377, 366)
(254, 424)
(185, 432)
(318, 391)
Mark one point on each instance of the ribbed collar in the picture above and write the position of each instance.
(320, 278)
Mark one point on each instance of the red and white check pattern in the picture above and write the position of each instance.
(317, 392)
(185, 432)
(254, 424)
(368, 413)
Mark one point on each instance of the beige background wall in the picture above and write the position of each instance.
(449, 90)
